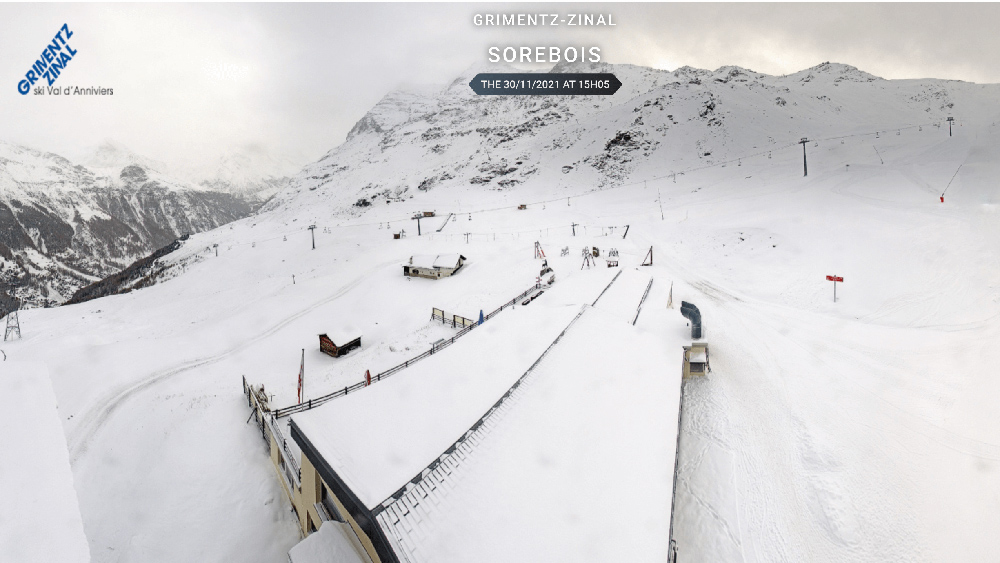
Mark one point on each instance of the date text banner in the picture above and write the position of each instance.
(545, 84)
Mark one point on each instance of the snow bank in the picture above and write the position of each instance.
(334, 542)
(39, 514)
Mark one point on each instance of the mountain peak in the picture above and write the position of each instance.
(839, 71)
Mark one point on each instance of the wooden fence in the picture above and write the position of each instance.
(454, 320)
(437, 347)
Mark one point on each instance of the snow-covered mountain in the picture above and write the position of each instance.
(65, 225)
(414, 142)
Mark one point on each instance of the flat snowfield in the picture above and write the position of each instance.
(858, 430)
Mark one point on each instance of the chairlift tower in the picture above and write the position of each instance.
(950, 121)
(13, 327)
(312, 229)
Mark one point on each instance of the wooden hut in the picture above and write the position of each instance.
(327, 345)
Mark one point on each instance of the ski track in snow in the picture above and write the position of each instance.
(96, 416)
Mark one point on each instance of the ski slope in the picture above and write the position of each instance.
(861, 430)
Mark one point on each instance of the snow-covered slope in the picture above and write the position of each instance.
(861, 430)
(414, 142)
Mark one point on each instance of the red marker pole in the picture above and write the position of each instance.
(835, 279)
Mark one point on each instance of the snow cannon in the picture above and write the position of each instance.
(691, 313)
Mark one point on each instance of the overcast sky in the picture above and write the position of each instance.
(192, 81)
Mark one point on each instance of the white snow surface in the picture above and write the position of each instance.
(334, 542)
(39, 515)
(405, 422)
(861, 430)
(581, 468)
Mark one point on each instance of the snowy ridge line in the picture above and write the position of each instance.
(629, 184)
(392, 513)
(605, 289)
(641, 301)
(678, 172)
(313, 403)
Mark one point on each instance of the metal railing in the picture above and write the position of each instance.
(396, 512)
(606, 288)
(395, 515)
(268, 424)
(641, 301)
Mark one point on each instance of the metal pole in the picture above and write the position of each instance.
(805, 166)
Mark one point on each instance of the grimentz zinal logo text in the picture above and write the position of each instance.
(52, 61)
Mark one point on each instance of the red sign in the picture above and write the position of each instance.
(368, 378)
(835, 278)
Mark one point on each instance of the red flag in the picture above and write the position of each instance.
(368, 377)
(302, 373)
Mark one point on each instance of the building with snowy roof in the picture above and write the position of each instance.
(553, 450)
(433, 267)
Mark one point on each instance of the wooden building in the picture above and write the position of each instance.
(433, 267)
(327, 345)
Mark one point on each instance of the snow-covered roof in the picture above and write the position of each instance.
(582, 440)
(438, 261)
(589, 438)
(39, 513)
(341, 335)
(334, 542)
(698, 355)
(399, 425)
(447, 260)
(423, 261)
